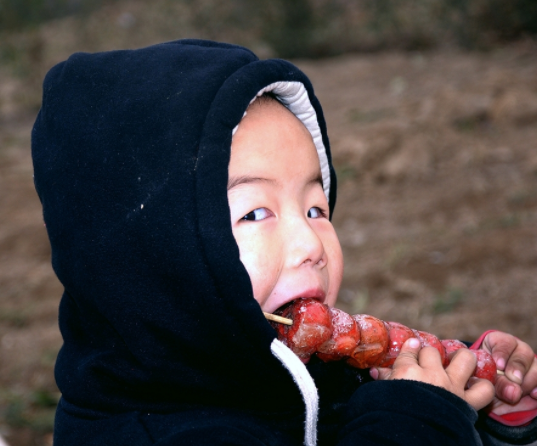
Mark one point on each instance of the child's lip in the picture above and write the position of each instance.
(311, 293)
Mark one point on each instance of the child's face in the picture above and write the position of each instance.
(279, 211)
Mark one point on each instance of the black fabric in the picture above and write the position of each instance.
(163, 341)
(378, 413)
(495, 433)
(194, 424)
(407, 412)
(130, 153)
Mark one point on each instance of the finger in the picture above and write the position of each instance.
(480, 393)
(519, 363)
(462, 366)
(511, 393)
(529, 386)
(500, 345)
(409, 353)
(380, 373)
(429, 358)
(508, 391)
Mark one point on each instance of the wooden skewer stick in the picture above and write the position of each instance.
(279, 319)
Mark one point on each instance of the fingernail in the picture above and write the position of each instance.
(518, 374)
(374, 373)
(510, 392)
(500, 363)
(534, 393)
(413, 343)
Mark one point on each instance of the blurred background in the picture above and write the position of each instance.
(432, 112)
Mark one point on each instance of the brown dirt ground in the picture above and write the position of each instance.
(437, 208)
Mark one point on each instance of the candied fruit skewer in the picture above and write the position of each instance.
(344, 339)
(314, 328)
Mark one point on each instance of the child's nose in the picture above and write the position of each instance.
(305, 247)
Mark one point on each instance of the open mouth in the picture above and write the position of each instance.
(315, 294)
(281, 310)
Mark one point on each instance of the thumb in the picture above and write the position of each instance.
(409, 353)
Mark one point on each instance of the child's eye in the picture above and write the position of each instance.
(257, 214)
(315, 212)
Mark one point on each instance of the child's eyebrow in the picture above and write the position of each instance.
(318, 178)
(245, 179)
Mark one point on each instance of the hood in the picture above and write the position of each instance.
(131, 151)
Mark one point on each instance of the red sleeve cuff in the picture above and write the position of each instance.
(515, 419)
(477, 344)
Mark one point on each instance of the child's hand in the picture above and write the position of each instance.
(517, 390)
(424, 364)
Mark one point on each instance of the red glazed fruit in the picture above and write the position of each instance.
(430, 340)
(345, 337)
(311, 326)
(451, 346)
(486, 367)
(398, 334)
(373, 344)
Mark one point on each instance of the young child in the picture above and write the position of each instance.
(178, 207)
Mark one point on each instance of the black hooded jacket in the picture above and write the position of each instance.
(164, 343)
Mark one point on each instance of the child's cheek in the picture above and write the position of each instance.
(259, 260)
(335, 265)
